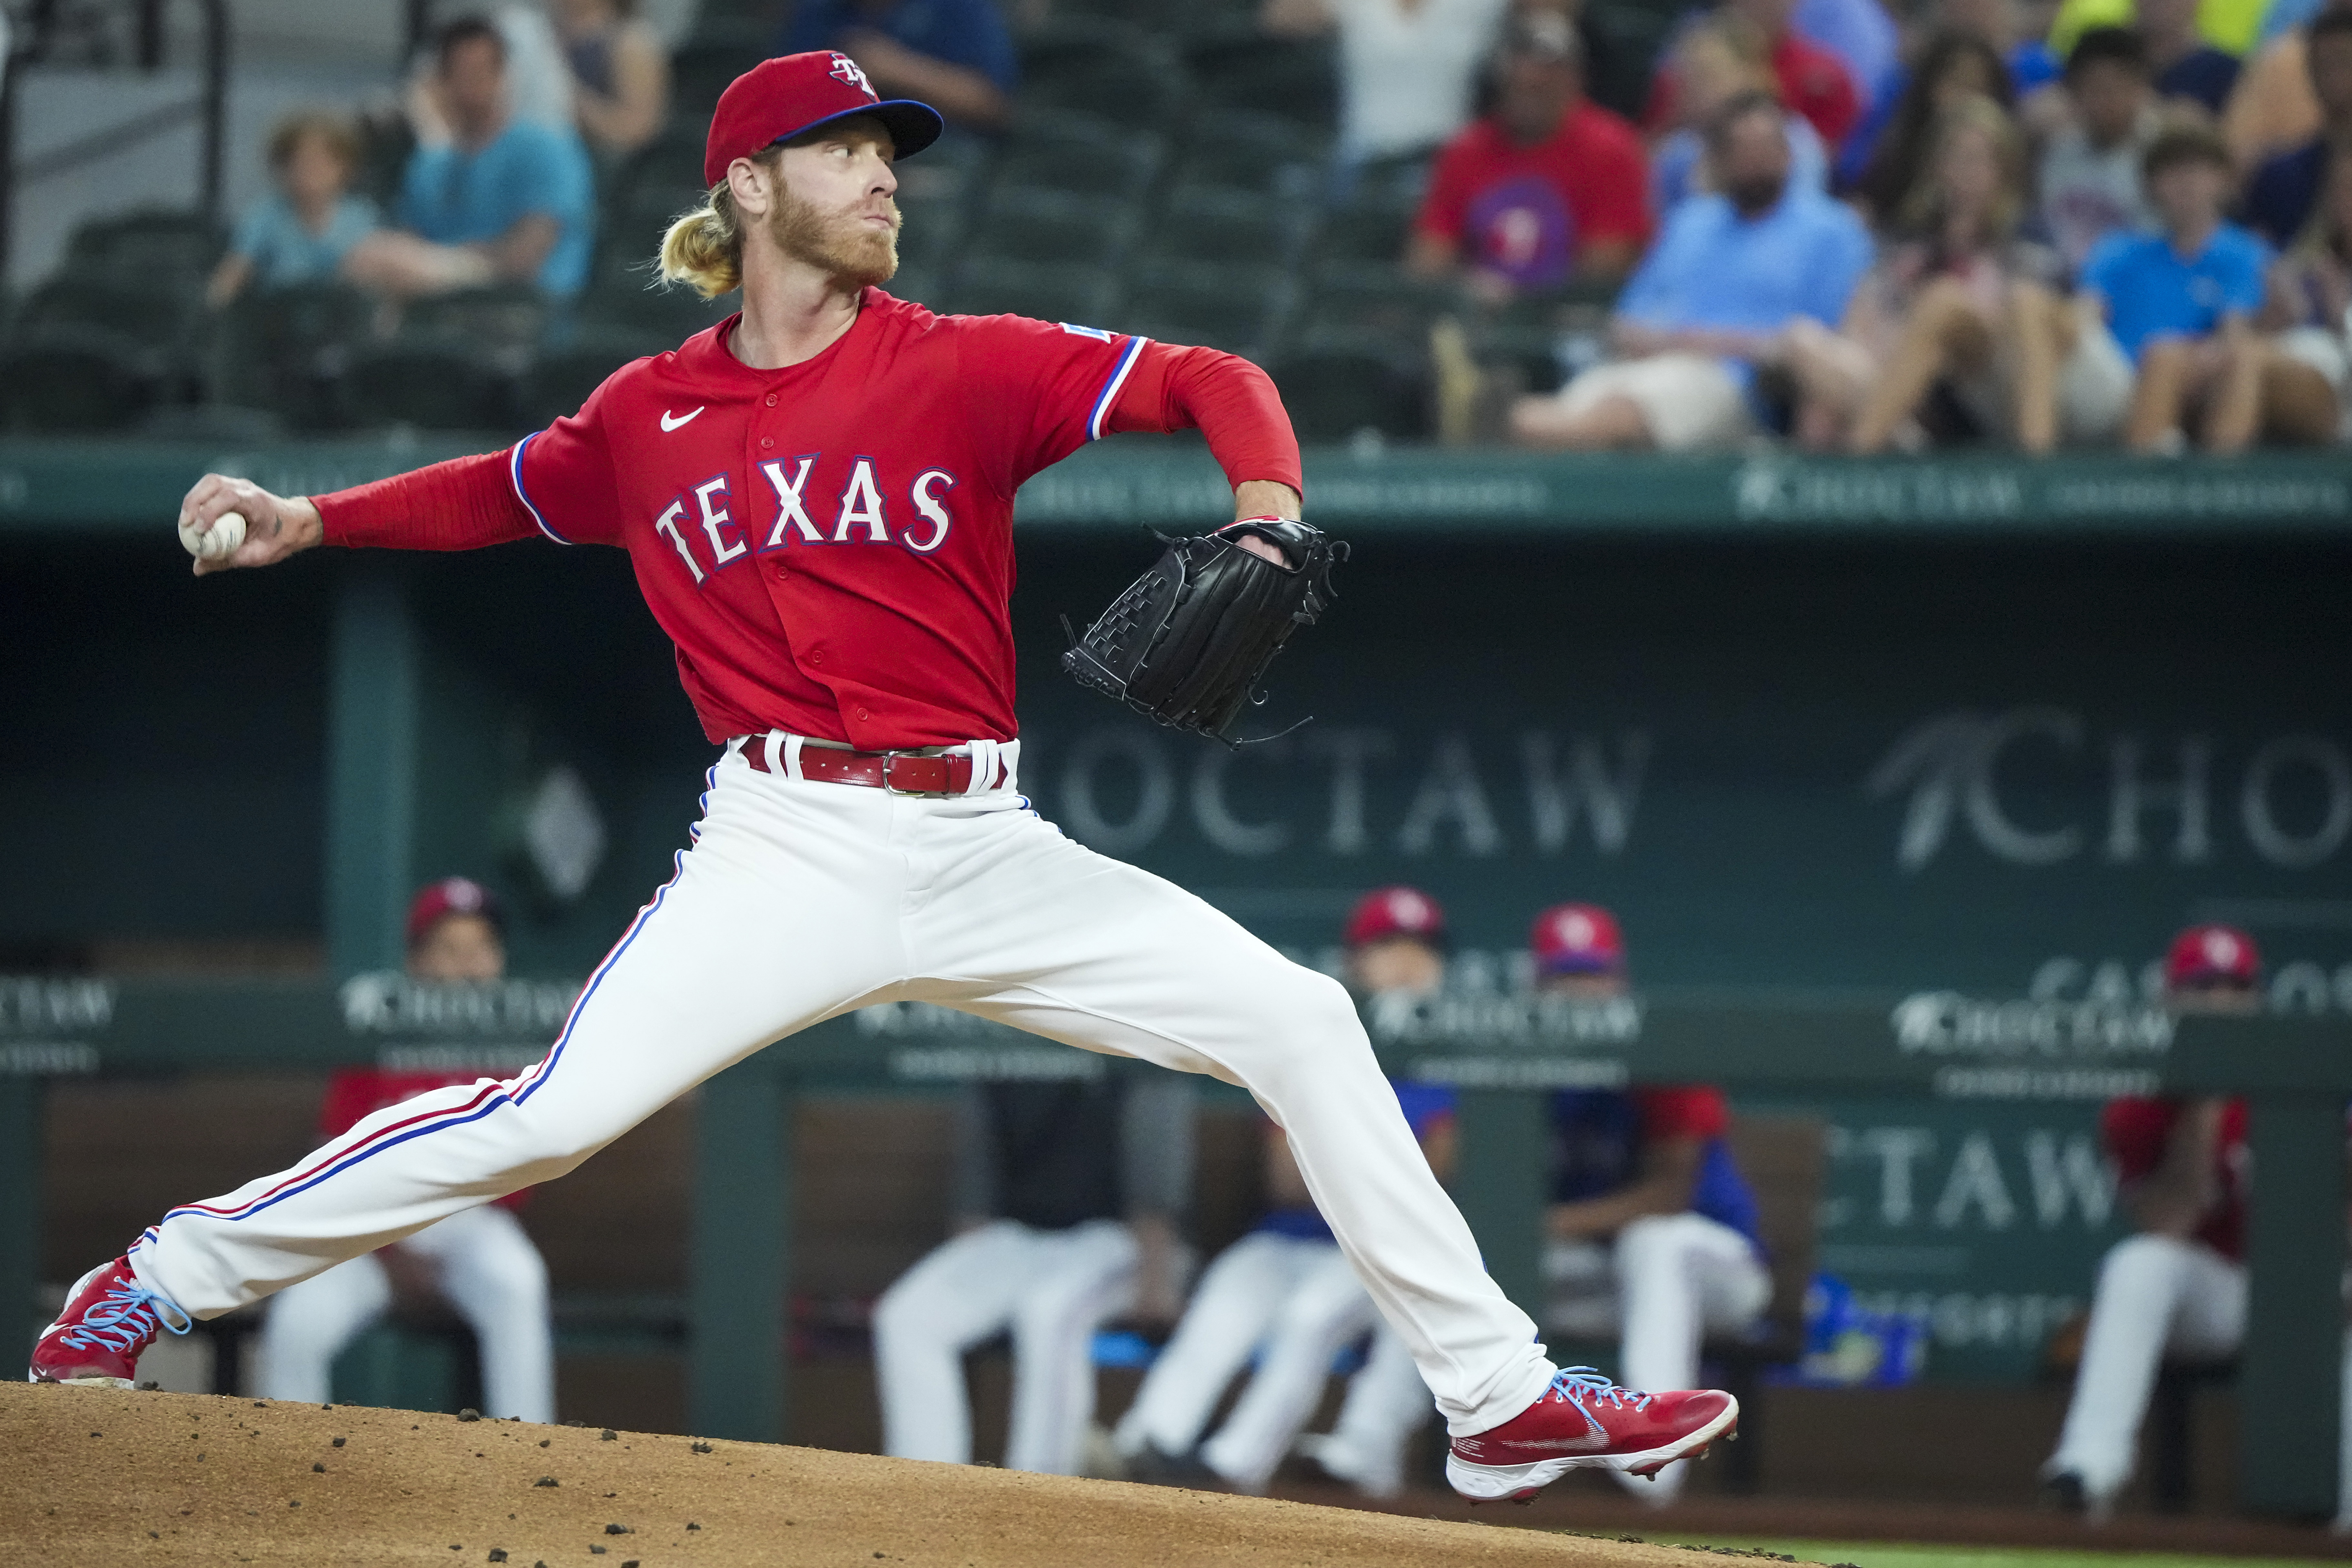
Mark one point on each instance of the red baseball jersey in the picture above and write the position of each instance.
(2136, 1129)
(830, 544)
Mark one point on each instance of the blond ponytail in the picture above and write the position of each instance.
(704, 249)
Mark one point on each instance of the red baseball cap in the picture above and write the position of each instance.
(1386, 912)
(778, 100)
(1576, 939)
(2203, 955)
(435, 901)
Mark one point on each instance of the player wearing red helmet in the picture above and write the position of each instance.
(816, 497)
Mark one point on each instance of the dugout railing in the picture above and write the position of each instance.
(1503, 1053)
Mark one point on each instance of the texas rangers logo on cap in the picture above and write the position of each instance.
(1576, 939)
(2212, 954)
(1386, 912)
(847, 69)
(793, 95)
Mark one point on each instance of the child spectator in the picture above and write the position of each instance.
(1812, 80)
(300, 232)
(1959, 300)
(2187, 69)
(2182, 303)
(1715, 60)
(620, 74)
(2285, 189)
(1551, 187)
(1955, 66)
(2311, 299)
(1407, 67)
(485, 197)
(955, 55)
(1711, 302)
(2090, 177)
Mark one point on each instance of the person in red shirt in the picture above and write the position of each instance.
(2178, 1286)
(816, 496)
(480, 1259)
(1813, 82)
(1550, 187)
(1653, 1230)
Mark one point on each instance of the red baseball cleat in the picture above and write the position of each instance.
(1584, 1422)
(109, 1319)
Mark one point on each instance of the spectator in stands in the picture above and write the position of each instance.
(620, 74)
(486, 197)
(1547, 188)
(1812, 80)
(480, 1260)
(2311, 297)
(2025, 84)
(1407, 67)
(1862, 35)
(1066, 1205)
(2273, 109)
(2189, 69)
(2090, 177)
(954, 55)
(1653, 1232)
(1954, 66)
(1711, 303)
(1716, 59)
(2177, 1286)
(1958, 299)
(300, 232)
(2285, 189)
(2182, 303)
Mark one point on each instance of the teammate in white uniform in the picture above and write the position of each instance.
(1067, 1198)
(1653, 1230)
(481, 1259)
(2179, 1286)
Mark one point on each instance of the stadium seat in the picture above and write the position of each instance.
(1247, 152)
(1238, 308)
(1080, 152)
(1624, 41)
(157, 317)
(1374, 297)
(285, 350)
(1339, 386)
(151, 248)
(1238, 66)
(73, 376)
(701, 68)
(1116, 72)
(504, 316)
(1081, 295)
(560, 379)
(672, 160)
(923, 285)
(428, 383)
(1206, 224)
(1364, 230)
(1023, 223)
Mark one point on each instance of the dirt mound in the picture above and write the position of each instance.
(94, 1476)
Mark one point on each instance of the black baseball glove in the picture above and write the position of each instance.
(1188, 642)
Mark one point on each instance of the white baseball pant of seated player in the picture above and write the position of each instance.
(799, 901)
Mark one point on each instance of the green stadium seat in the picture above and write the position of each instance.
(701, 68)
(1337, 388)
(284, 349)
(1237, 308)
(560, 378)
(71, 376)
(1243, 68)
(153, 248)
(1364, 230)
(1624, 41)
(1374, 297)
(509, 316)
(1080, 152)
(1107, 69)
(158, 318)
(1225, 227)
(1024, 223)
(427, 384)
(1250, 152)
(1081, 295)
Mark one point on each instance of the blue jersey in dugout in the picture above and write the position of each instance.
(1597, 1137)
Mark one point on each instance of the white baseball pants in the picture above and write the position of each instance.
(1052, 1289)
(800, 901)
(1386, 1404)
(1666, 1282)
(1294, 1302)
(490, 1271)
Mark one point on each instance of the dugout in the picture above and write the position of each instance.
(1969, 737)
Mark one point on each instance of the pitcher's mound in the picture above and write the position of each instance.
(95, 1477)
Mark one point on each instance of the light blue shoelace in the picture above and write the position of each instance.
(124, 1318)
(1578, 1383)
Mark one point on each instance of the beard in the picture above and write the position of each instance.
(1754, 194)
(840, 243)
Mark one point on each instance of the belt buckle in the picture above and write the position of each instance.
(889, 761)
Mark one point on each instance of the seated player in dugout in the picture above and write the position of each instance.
(1653, 1231)
(480, 1260)
(1065, 1203)
(1285, 1294)
(2177, 1286)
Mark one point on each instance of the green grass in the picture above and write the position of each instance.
(1873, 1554)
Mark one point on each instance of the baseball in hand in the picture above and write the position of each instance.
(216, 542)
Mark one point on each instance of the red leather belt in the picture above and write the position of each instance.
(900, 773)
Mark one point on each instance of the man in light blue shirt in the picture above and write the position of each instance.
(1711, 302)
(494, 199)
(2181, 303)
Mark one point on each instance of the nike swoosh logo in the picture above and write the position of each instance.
(670, 423)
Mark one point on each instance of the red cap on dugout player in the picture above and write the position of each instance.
(790, 95)
(1386, 912)
(1576, 939)
(450, 896)
(2212, 955)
